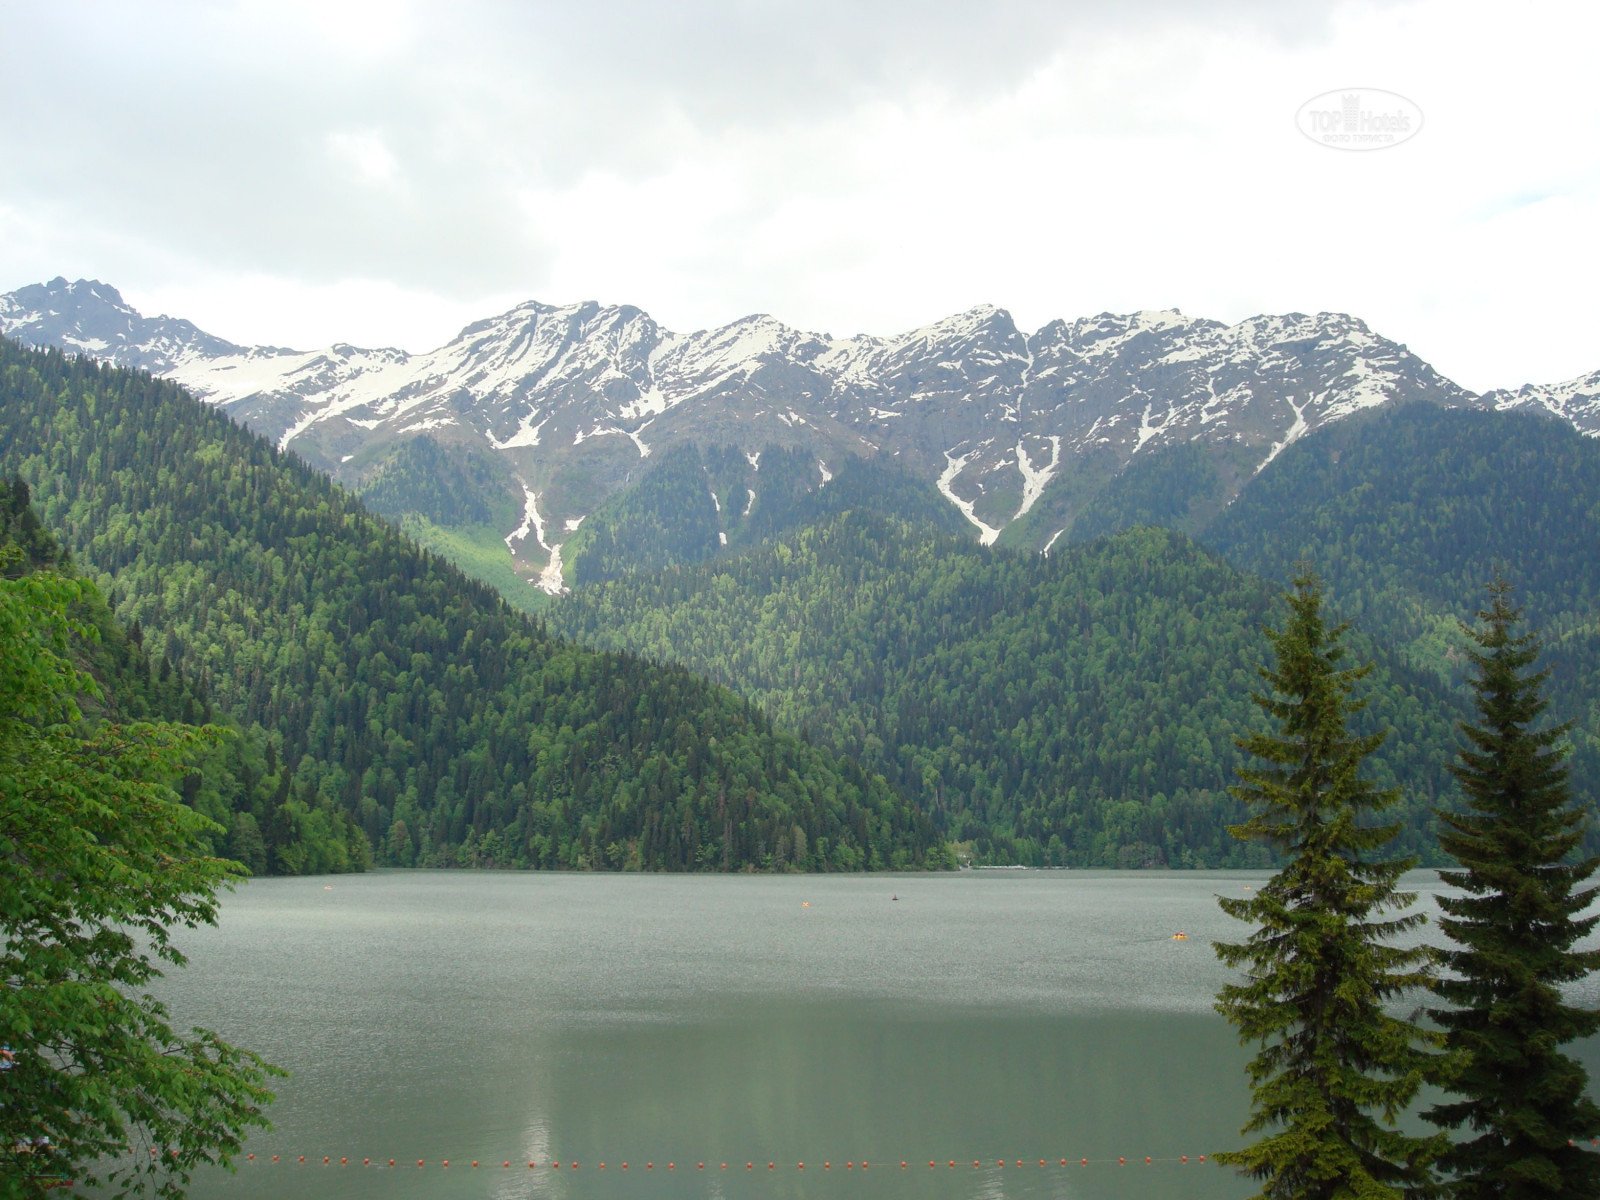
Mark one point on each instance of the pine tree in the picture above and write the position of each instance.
(1334, 1068)
(1515, 928)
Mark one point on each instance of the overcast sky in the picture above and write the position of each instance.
(383, 173)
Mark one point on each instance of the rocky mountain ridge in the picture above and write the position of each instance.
(570, 402)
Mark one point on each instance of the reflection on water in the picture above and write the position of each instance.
(858, 1020)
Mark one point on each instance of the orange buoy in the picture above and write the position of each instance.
(446, 1162)
(250, 1157)
(1122, 1162)
(474, 1162)
(1147, 1160)
(507, 1163)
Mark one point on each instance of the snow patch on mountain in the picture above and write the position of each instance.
(1036, 479)
(527, 433)
(953, 467)
(553, 388)
(1576, 400)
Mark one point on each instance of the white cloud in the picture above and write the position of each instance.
(383, 173)
(366, 155)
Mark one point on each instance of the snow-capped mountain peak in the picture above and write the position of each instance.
(569, 400)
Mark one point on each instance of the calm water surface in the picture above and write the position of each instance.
(495, 1016)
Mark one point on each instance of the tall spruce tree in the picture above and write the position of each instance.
(1333, 1068)
(1520, 1100)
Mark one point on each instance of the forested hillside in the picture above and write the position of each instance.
(1078, 709)
(1408, 516)
(234, 781)
(389, 687)
(695, 504)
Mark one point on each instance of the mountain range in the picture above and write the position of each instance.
(901, 694)
(500, 443)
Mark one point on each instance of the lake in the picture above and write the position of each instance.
(846, 1022)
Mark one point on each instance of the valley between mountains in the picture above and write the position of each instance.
(765, 599)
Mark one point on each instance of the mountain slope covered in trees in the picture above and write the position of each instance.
(695, 504)
(234, 779)
(1409, 515)
(391, 689)
(1074, 710)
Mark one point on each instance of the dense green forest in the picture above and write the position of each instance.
(1081, 709)
(389, 690)
(235, 782)
(698, 503)
(445, 485)
(1408, 514)
(785, 671)
(1073, 710)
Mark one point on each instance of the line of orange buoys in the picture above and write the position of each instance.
(750, 1165)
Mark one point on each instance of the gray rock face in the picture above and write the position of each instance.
(573, 400)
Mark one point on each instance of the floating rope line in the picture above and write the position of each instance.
(555, 1164)
(750, 1165)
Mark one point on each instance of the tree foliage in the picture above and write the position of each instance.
(1333, 1066)
(1516, 925)
(99, 861)
(393, 692)
(1409, 511)
(1075, 710)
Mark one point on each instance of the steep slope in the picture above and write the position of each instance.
(396, 691)
(691, 506)
(1425, 504)
(1410, 514)
(1019, 432)
(233, 782)
(1073, 710)
(1576, 401)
